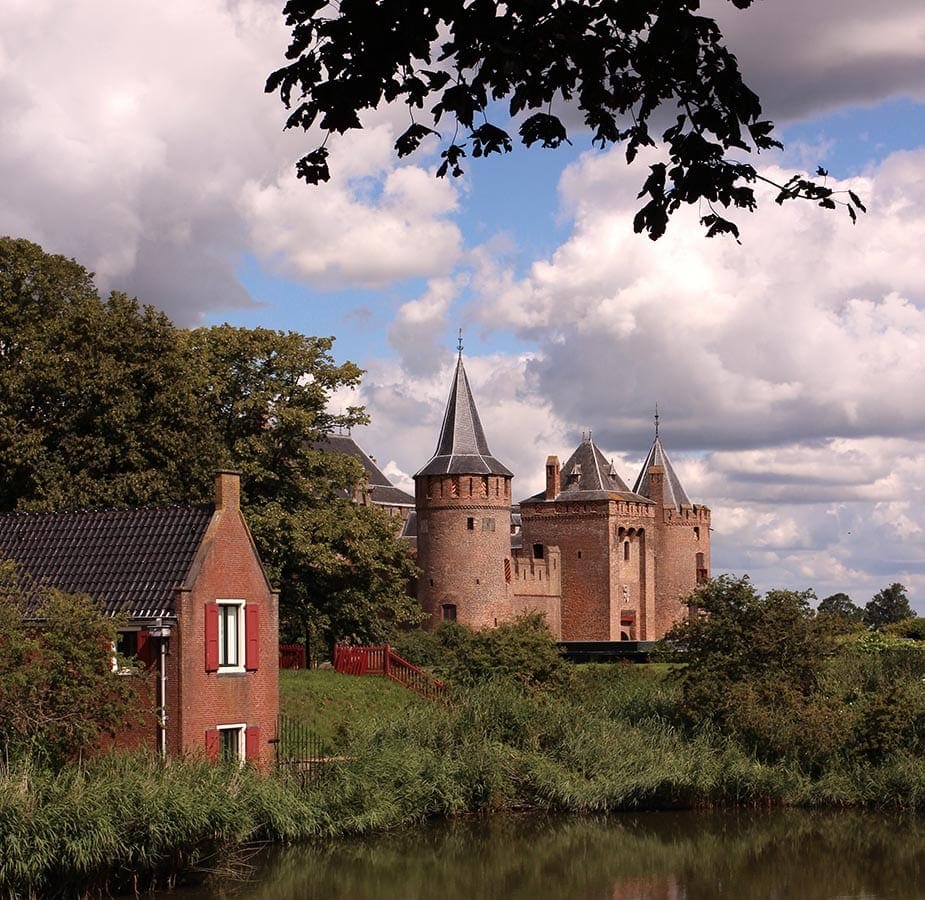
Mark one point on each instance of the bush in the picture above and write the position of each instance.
(58, 694)
(522, 649)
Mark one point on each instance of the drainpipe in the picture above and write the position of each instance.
(162, 632)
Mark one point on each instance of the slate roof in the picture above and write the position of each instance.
(462, 448)
(384, 493)
(674, 493)
(588, 475)
(128, 560)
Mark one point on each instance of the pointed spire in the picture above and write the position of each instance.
(673, 493)
(462, 448)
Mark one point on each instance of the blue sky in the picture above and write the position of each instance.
(789, 371)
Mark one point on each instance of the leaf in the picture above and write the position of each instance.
(313, 167)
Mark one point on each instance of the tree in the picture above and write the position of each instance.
(840, 608)
(96, 407)
(888, 606)
(58, 693)
(108, 403)
(341, 568)
(754, 668)
(624, 66)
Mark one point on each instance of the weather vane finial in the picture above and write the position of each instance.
(656, 419)
(459, 343)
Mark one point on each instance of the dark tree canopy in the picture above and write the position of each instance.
(107, 403)
(840, 606)
(625, 65)
(888, 606)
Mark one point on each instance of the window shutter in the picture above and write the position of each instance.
(145, 652)
(252, 742)
(251, 637)
(212, 746)
(211, 637)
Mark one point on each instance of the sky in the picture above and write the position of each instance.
(788, 371)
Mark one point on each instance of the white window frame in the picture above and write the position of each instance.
(241, 729)
(238, 640)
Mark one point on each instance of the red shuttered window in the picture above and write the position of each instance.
(251, 637)
(211, 637)
(252, 742)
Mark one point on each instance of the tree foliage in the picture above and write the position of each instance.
(841, 611)
(108, 403)
(754, 668)
(888, 606)
(625, 66)
(58, 693)
(522, 649)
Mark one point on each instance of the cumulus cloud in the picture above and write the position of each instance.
(137, 138)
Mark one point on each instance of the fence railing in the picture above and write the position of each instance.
(299, 750)
(384, 661)
(291, 656)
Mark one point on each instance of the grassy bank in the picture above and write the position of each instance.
(603, 745)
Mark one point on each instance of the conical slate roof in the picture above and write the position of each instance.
(674, 494)
(462, 448)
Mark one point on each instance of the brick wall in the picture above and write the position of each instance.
(227, 568)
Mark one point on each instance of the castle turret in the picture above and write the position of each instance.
(463, 503)
(683, 536)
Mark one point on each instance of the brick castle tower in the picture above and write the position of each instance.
(463, 503)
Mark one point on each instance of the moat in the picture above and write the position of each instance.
(649, 856)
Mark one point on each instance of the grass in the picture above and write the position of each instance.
(339, 708)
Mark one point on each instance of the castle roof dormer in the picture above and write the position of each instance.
(673, 494)
(462, 448)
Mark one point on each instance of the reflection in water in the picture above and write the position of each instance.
(654, 856)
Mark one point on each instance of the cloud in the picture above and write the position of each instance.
(137, 138)
(806, 58)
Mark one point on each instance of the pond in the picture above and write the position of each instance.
(653, 856)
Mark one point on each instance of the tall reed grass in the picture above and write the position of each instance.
(131, 822)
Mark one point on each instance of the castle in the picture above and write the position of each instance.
(601, 561)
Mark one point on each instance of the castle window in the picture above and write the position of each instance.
(431, 582)
(484, 486)
(579, 554)
(696, 532)
(488, 524)
(454, 487)
(538, 551)
(449, 612)
(626, 549)
(507, 571)
(701, 569)
(470, 524)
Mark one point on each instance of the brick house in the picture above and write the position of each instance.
(601, 561)
(201, 616)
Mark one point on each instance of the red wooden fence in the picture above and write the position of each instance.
(383, 661)
(291, 656)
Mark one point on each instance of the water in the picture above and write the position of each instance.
(654, 856)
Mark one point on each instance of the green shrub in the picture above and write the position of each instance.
(522, 649)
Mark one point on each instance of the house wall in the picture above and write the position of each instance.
(227, 568)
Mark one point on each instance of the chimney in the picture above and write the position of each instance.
(227, 489)
(553, 479)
